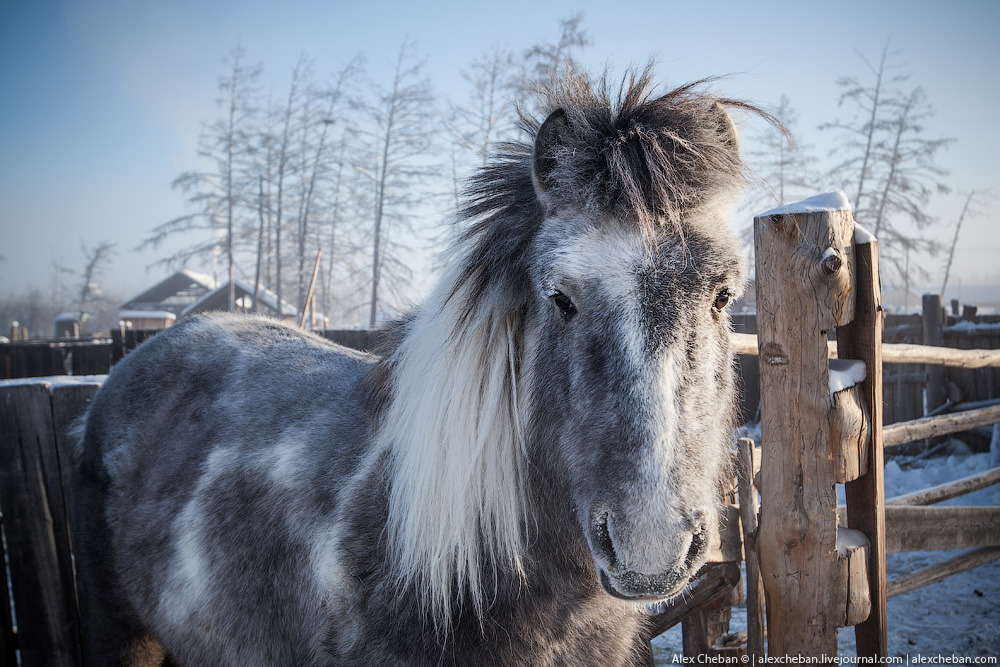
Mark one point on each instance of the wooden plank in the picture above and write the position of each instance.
(69, 403)
(933, 528)
(935, 573)
(901, 353)
(926, 427)
(726, 544)
(801, 295)
(862, 339)
(35, 526)
(948, 490)
(701, 630)
(917, 528)
(851, 580)
(745, 469)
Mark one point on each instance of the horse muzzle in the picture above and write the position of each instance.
(683, 553)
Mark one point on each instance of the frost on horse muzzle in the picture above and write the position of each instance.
(680, 551)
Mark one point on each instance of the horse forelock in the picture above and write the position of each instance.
(643, 157)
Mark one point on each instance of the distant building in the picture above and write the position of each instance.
(188, 293)
(267, 302)
(160, 305)
(147, 319)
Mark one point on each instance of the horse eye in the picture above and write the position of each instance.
(721, 299)
(565, 305)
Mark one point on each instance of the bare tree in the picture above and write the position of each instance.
(884, 150)
(323, 127)
(217, 195)
(488, 114)
(783, 168)
(547, 62)
(87, 291)
(862, 134)
(403, 139)
(285, 166)
(969, 209)
(32, 310)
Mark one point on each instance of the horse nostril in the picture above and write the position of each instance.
(602, 539)
(698, 525)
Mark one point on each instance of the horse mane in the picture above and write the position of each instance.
(448, 397)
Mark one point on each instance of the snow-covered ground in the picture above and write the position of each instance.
(958, 616)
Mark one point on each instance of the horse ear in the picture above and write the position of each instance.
(727, 129)
(550, 136)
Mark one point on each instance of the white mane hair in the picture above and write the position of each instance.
(452, 428)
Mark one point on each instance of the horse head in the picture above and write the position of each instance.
(627, 350)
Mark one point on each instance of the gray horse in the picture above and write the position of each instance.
(536, 454)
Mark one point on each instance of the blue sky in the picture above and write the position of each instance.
(101, 102)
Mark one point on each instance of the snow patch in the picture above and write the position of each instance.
(845, 373)
(862, 235)
(849, 539)
(53, 381)
(978, 327)
(828, 201)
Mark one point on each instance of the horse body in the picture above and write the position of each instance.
(535, 455)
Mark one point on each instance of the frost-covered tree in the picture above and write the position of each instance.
(488, 114)
(783, 169)
(34, 312)
(546, 63)
(969, 209)
(402, 140)
(889, 164)
(218, 196)
(323, 131)
(87, 293)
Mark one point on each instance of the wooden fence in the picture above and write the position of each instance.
(36, 478)
(96, 356)
(815, 275)
(903, 383)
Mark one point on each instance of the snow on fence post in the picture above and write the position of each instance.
(815, 426)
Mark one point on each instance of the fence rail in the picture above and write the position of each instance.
(900, 353)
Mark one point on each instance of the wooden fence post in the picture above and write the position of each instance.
(702, 629)
(862, 339)
(749, 509)
(934, 335)
(812, 437)
(35, 478)
(35, 527)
